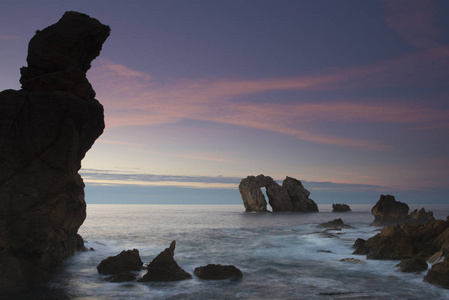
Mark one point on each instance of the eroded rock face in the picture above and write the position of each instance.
(45, 130)
(439, 274)
(290, 197)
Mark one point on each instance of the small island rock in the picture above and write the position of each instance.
(340, 208)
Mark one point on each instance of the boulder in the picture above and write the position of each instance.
(218, 272)
(290, 197)
(46, 128)
(165, 268)
(439, 274)
(334, 224)
(127, 260)
(412, 265)
(340, 208)
(388, 211)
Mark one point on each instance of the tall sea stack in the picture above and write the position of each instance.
(46, 128)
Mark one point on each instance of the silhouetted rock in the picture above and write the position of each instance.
(388, 211)
(165, 268)
(218, 272)
(412, 265)
(45, 130)
(290, 197)
(340, 208)
(439, 274)
(127, 260)
(334, 224)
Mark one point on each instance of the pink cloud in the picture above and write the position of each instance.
(414, 20)
(133, 98)
(8, 37)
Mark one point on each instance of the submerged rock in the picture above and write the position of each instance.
(290, 197)
(334, 224)
(412, 265)
(218, 272)
(340, 208)
(127, 260)
(353, 261)
(45, 131)
(165, 268)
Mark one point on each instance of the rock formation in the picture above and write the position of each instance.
(412, 265)
(45, 130)
(126, 261)
(290, 197)
(388, 211)
(218, 272)
(334, 224)
(340, 208)
(165, 268)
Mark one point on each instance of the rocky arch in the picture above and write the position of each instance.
(290, 197)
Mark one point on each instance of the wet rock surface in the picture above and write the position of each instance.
(218, 272)
(127, 260)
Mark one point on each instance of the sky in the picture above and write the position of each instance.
(350, 97)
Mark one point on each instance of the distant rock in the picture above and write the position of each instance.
(388, 211)
(340, 208)
(165, 268)
(290, 197)
(127, 260)
(412, 265)
(334, 224)
(45, 131)
(439, 274)
(218, 272)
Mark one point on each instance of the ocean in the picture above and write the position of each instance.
(281, 255)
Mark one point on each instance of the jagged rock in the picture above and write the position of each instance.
(218, 272)
(439, 274)
(127, 260)
(45, 130)
(165, 268)
(408, 241)
(388, 211)
(420, 216)
(340, 208)
(412, 265)
(334, 224)
(291, 196)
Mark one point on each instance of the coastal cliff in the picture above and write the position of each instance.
(46, 128)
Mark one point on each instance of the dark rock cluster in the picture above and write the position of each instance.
(388, 211)
(290, 197)
(46, 128)
(163, 268)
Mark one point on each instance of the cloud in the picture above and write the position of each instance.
(8, 37)
(414, 20)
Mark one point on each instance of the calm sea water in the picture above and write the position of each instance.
(280, 254)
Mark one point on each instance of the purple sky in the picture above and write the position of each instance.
(350, 96)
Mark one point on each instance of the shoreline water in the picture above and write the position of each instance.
(281, 255)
